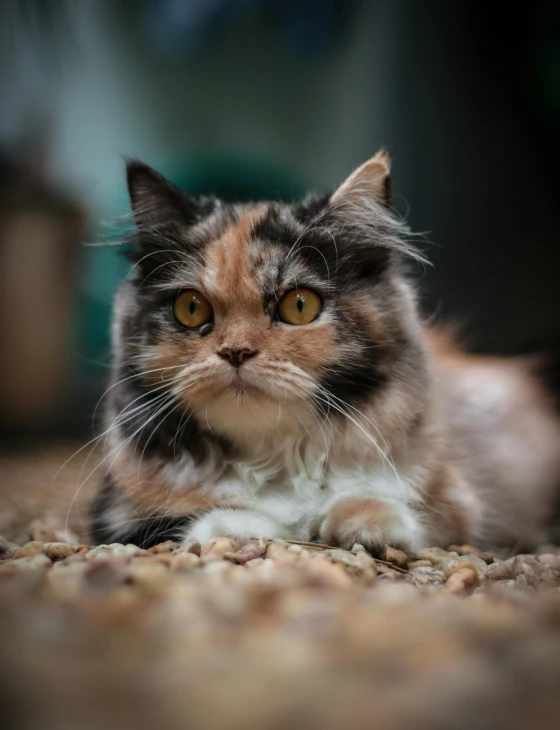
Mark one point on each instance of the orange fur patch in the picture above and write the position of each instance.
(447, 519)
(149, 495)
(354, 518)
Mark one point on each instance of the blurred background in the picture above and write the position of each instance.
(267, 99)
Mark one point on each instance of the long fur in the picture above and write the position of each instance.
(362, 426)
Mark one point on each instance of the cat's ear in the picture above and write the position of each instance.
(369, 182)
(154, 200)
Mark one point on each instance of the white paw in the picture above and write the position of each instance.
(238, 524)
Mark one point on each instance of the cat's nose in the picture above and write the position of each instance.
(237, 356)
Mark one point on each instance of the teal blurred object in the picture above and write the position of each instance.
(229, 178)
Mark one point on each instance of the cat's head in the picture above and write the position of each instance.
(267, 312)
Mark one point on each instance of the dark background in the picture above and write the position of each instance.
(269, 98)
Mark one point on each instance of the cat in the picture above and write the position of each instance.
(272, 376)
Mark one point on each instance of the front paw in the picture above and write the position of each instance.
(371, 523)
(238, 524)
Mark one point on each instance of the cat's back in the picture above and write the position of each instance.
(504, 430)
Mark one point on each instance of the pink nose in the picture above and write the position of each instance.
(237, 356)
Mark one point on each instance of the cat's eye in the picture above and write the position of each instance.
(299, 306)
(192, 309)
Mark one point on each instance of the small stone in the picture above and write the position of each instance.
(487, 557)
(248, 552)
(151, 576)
(256, 563)
(522, 581)
(468, 560)
(499, 571)
(424, 574)
(364, 561)
(184, 562)
(31, 561)
(423, 570)
(553, 561)
(396, 557)
(218, 567)
(419, 564)
(464, 549)
(31, 548)
(164, 547)
(328, 573)
(391, 575)
(462, 581)
(126, 551)
(436, 555)
(7, 548)
(39, 531)
(98, 553)
(105, 573)
(216, 548)
(190, 545)
(58, 550)
(276, 551)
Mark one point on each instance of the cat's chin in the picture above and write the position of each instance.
(241, 387)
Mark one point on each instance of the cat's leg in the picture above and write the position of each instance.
(445, 510)
(236, 523)
(372, 523)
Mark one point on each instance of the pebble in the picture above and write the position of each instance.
(464, 550)
(126, 551)
(462, 581)
(30, 548)
(184, 562)
(419, 564)
(366, 562)
(31, 561)
(248, 552)
(150, 577)
(499, 571)
(190, 545)
(58, 550)
(277, 551)
(550, 559)
(460, 570)
(436, 555)
(396, 557)
(99, 552)
(7, 548)
(104, 573)
(216, 548)
(164, 547)
(327, 573)
(468, 560)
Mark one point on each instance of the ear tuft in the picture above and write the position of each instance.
(154, 200)
(370, 180)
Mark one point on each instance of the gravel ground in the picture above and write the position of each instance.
(275, 635)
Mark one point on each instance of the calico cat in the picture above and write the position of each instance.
(272, 377)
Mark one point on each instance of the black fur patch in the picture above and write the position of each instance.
(156, 530)
(276, 228)
(143, 533)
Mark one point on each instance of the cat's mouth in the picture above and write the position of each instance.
(243, 386)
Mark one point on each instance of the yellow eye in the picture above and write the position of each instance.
(192, 309)
(299, 306)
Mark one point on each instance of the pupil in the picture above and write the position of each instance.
(300, 303)
(192, 307)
